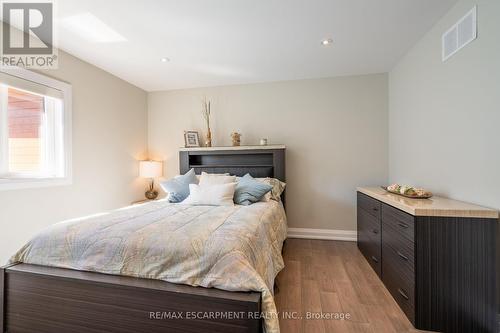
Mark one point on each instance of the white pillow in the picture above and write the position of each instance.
(208, 179)
(213, 195)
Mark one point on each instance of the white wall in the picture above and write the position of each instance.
(109, 134)
(444, 118)
(335, 131)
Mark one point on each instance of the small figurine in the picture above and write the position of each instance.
(236, 138)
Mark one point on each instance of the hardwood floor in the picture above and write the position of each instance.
(334, 277)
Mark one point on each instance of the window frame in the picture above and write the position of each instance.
(36, 182)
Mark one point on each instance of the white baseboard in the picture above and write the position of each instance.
(326, 234)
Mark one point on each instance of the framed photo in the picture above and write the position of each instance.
(191, 139)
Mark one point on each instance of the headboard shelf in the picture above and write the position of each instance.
(257, 162)
(234, 148)
(233, 166)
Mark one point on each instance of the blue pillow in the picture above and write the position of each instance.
(178, 187)
(248, 190)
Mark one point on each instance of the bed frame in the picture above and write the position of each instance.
(51, 300)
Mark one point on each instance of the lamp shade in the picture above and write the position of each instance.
(150, 169)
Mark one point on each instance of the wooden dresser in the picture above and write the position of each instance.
(437, 257)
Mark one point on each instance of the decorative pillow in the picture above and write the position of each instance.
(208, 179)
(213, 195)
(278, 188)
(266, 197)
(249, 190)
(178, 188)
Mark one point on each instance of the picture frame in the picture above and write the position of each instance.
(191, 139)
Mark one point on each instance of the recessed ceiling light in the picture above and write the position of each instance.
(327, 41)
(164, 60)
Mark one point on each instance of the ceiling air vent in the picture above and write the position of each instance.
(460, 34)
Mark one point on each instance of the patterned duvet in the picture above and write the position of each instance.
(232, 248)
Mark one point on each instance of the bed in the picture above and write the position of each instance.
(207, 291)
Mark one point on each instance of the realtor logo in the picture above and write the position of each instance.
(28, 35)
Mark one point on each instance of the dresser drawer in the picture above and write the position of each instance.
(370, 238)
(400, 221)
(400, 285)
(402, 250)
(369, 204)
(369, 224)
(372, 251)
(400, 264)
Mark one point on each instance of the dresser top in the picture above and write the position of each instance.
(435, 206)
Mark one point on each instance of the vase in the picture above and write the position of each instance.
(208, 141)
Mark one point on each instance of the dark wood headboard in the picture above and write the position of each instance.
(259, 162)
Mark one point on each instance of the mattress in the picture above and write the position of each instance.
(234, 248)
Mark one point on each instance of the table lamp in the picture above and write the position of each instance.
(151, 169)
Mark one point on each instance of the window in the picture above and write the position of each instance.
(35, 130)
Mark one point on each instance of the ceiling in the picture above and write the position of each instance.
(223, 42)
